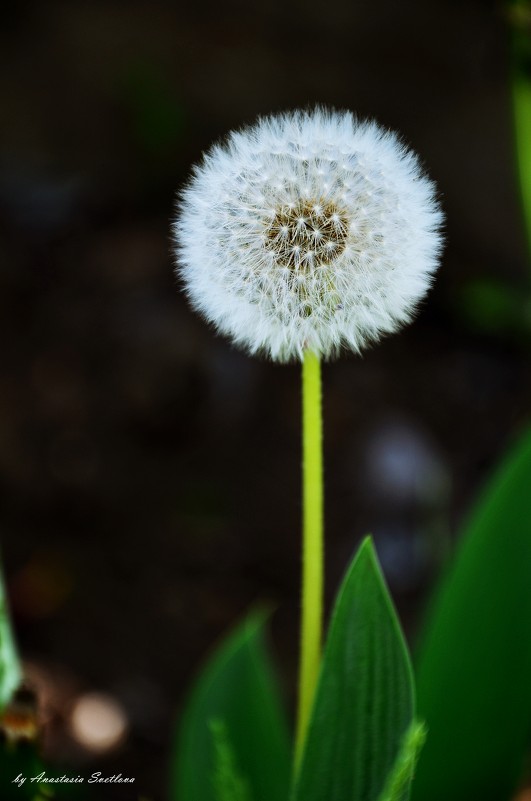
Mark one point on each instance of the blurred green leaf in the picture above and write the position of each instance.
(229, 785)
(364, 703)
(238, 688)
(520, 16)
(474, 667)
(10, 670)
(493, 307)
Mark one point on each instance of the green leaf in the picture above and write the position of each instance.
(365, 698)
(237, 688)
(399, 780)
(474, 667)
(10, 670)
(229, 785)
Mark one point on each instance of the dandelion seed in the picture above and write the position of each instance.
(308, 230)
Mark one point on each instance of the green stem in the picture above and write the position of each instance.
(312, 548)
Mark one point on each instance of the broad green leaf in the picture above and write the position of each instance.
(238, 690)
(10, 671)
(364, 702)
(474, 666)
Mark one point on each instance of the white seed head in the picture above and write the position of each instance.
(308, 230)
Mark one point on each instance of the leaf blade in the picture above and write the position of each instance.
(474, 663)
(399, 779)
(365, 699)
(237, 687)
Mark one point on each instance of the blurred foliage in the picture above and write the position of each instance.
(474, 664)
(520, 15)
(10, 670)
(496, 308)
(233, 735)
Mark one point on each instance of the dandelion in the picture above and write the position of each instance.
(299, 235)
(308, 231)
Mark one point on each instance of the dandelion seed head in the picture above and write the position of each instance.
(308, 230)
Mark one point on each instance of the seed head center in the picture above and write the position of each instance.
(307, 233)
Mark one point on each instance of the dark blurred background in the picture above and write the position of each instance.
(149, 472)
